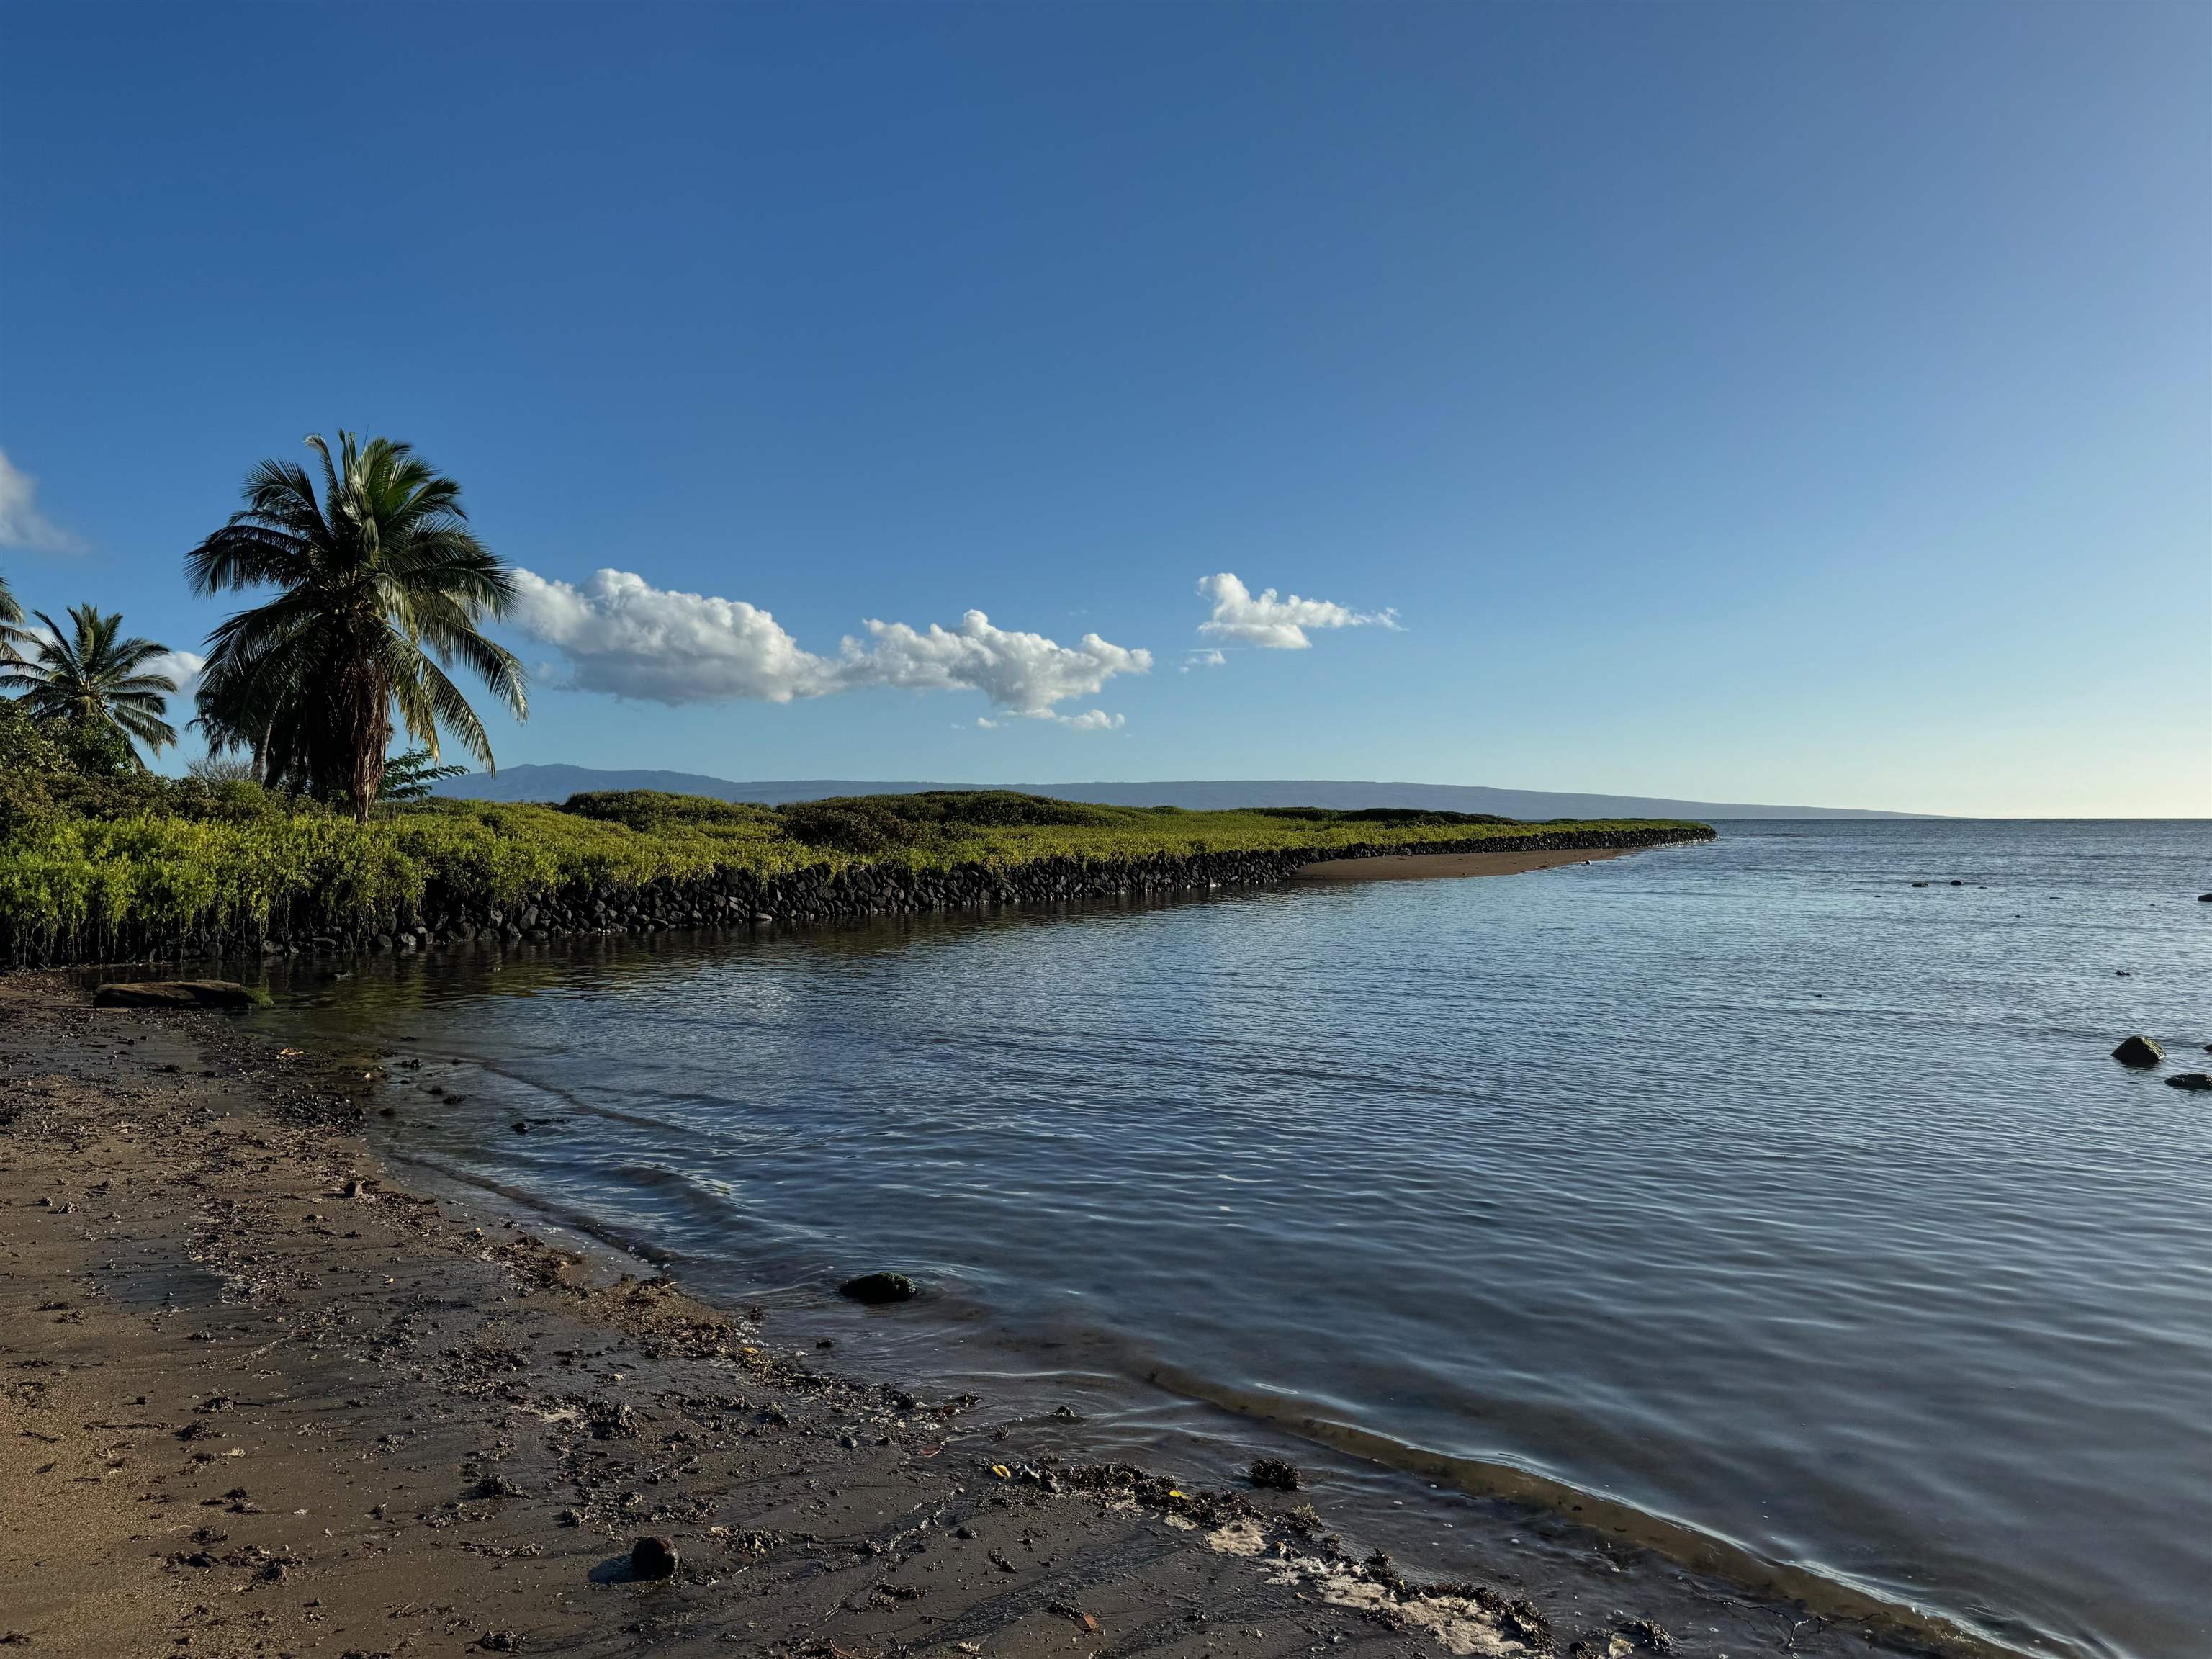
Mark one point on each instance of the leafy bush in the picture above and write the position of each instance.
(867, 825)
(410, 776)
(649, 810)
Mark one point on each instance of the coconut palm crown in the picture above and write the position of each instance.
(381, 587)
(90, 678)
(11, 617)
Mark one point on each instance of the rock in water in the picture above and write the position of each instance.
(654, 1557)
(874, 1289)
(2198, 1080)
(2139, 1050)
(176, 993)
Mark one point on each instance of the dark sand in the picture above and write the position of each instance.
(1422, 867)
(256, 1399)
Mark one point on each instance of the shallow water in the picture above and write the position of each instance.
(1747, 1184)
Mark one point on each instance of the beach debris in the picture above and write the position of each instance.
(873, 1289)
(1274, 1474)
(2138, 1050)
(1062, 1609)
(176, 993)
(2199, 1081)
(654, 1557)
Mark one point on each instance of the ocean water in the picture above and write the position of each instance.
(1762, 1202)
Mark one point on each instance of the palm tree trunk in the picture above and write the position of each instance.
(366, 705)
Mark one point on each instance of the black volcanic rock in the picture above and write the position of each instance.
(873, 1289)
(2139, 1050)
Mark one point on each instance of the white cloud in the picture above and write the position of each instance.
(182, 666)
(1201, 659)
(21, 524)
(1021, 673)
(622, 635)
(1270, 624)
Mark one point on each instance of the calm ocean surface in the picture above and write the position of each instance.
(1747, 1184)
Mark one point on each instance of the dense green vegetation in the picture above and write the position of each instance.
(86, 858)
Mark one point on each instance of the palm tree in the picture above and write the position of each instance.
(88, 678)
(375, 578)
(11, 618)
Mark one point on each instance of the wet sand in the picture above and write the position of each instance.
(256, 1399)
(1423, 866)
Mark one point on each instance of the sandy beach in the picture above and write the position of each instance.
(256, 1399)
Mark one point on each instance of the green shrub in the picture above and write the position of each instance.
(649, 810)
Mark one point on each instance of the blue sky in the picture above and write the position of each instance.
(1793, 403)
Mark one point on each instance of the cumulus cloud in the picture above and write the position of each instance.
(1269, 623)
(622, 635)
(182, 666)
(1202, 659)
(1021, 673)
(21, 524)
(1090, 720)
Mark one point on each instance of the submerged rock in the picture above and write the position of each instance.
(654, 1557)
(874, 1289)
(2198, 1080)
(177, 994)
(2139, 1050)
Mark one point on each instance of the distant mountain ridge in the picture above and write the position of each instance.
(557, 783)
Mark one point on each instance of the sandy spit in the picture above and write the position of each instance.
(1425, 866)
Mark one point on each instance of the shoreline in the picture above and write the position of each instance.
(1430, 867)
(259, 1395)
